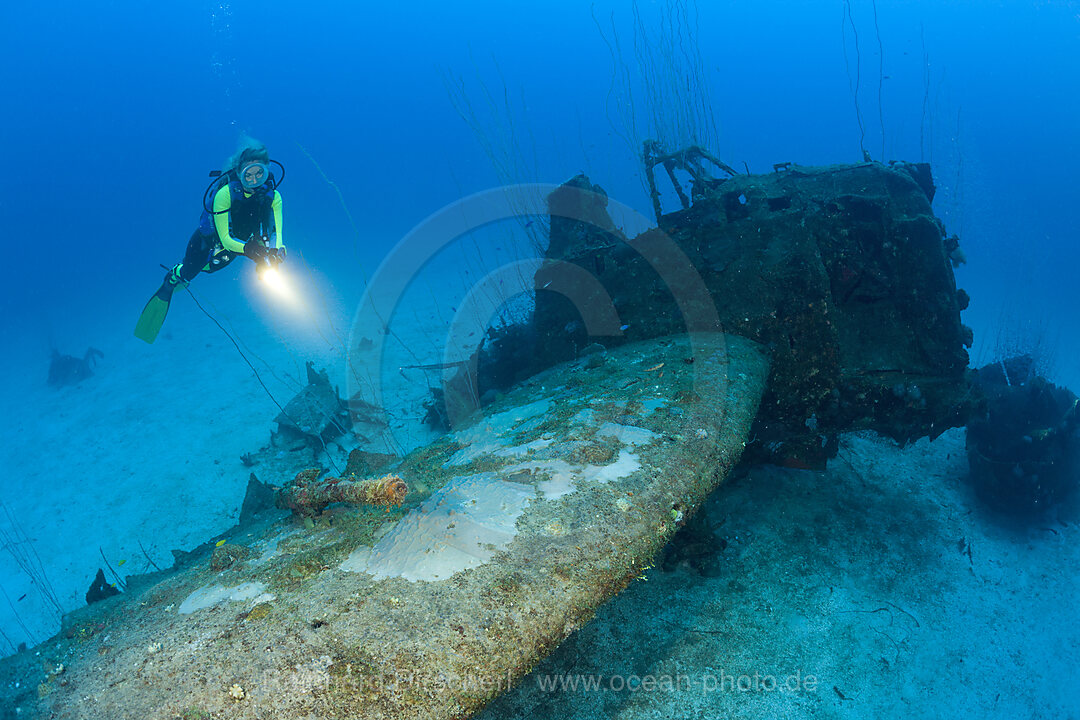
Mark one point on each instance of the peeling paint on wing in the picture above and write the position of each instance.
(627, 434)
(489, 436)
(561, 476)
(211, 595)
(625, 465)
(652, 405)
(270, 548)
(519, 450)
(460, 526)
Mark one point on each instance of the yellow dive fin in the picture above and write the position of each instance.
(153, 315)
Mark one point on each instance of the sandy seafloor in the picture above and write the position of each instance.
(858, 577)
(144, 456)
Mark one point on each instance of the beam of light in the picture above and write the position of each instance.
(284, 297)
(275, 282)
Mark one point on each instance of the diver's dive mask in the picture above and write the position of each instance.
(253, 174)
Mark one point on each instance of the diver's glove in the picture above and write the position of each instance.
(275, 256)
(256, 251)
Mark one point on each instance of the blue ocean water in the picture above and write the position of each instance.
(116, 111)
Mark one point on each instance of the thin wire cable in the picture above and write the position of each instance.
(881, 79)
(848, 19)
(22, 550)
(263, 384)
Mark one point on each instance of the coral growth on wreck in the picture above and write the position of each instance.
(307, 495)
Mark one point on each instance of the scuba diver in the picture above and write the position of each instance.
(241, 216)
